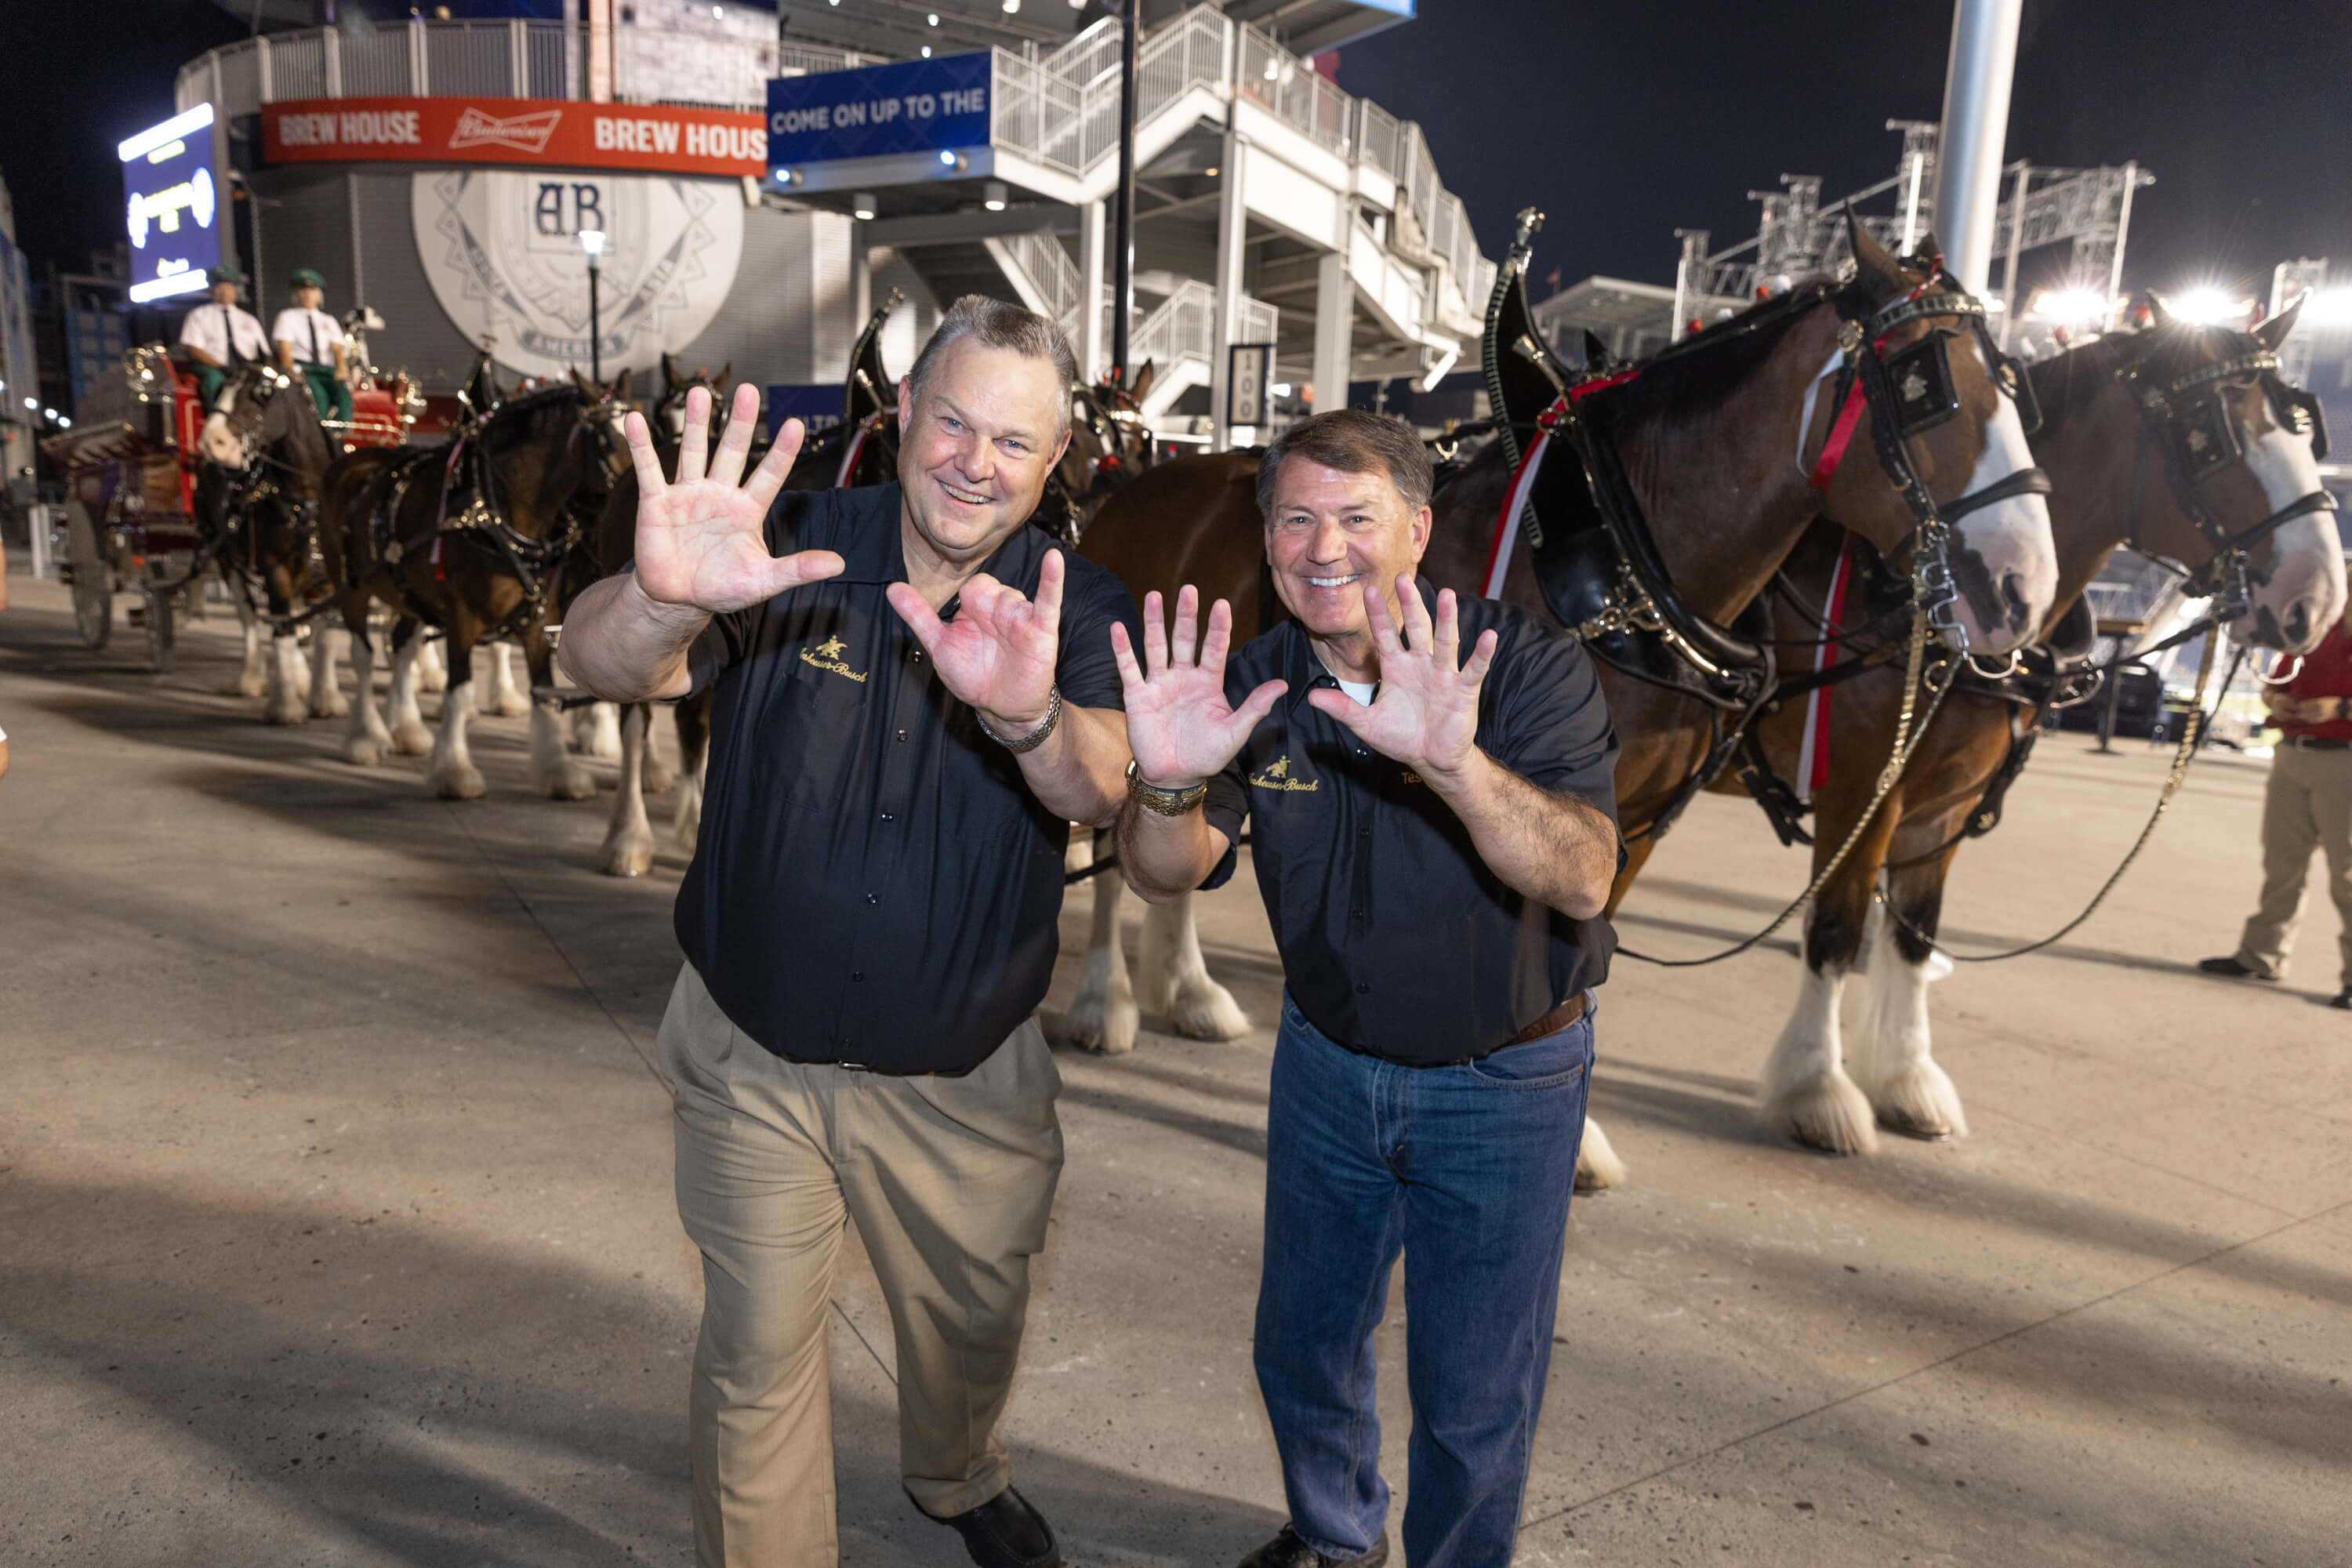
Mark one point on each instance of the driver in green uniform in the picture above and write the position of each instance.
(310, 340)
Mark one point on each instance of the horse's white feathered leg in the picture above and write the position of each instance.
(1807, 1094)
(1175, 978)
(328, 644)
(596, 730)
(629, 841)
(553, 773)
(432, 666)
(289, 682)
(1893, 1059)
(1597, 1164)
(1103, 1016)
(451, 772)
(253, 674)
(503, 697)
(409, 735)
(367, 740)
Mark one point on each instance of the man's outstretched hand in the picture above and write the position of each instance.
(1426, 714)
(1179, 724)
(998, 654)
(702, 541)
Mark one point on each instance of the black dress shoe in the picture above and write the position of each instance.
(2233, 968)
(1286, 1551)
(2342, 999)
(1005, 1532)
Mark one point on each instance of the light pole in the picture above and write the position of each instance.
(1122, 289)
(591, 240)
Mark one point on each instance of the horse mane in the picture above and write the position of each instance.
(527, 417)
(1691, 379)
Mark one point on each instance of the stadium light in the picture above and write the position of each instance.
(2328, 308)
(2206, 305)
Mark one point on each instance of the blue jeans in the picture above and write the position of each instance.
(1467, 1171)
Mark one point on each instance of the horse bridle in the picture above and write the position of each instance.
(1909, 393)
(2191, 421)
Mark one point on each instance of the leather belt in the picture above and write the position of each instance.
(2318, 743)
(1551, 1023)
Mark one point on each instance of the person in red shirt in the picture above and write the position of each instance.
(2307, 806)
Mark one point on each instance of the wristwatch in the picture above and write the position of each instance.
(1166, 802)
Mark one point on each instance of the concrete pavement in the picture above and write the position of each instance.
(335, 1222)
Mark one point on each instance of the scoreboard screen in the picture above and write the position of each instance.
(174, 206)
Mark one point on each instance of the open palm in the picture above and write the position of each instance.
(998, 654)
(702, 539)
(1426, 714)
(1179, 724)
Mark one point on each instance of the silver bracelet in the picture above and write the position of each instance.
(1034, 737)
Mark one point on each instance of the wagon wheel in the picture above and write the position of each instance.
(159, 630)
(93, 583)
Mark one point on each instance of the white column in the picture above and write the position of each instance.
(1233, 251)
(1335, 328)
(1975, 123)
(861, 283)
(1091, 345)
(600, 51)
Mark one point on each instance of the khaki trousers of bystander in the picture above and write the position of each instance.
(2306, 806)
(949, 1181)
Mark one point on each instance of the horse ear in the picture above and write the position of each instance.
(1596, 353)
(2272, 332)
(1928, 248)
(621, 386)
(1143, 381)
(1879, 273)
(726, 375)
(669, 368)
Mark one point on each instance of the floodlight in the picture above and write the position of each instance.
(993, 195)
(591, 240)
(862, 208)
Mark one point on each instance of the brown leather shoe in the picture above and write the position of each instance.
(1286, 1551)
(2232, 967)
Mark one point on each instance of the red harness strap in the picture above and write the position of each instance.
(1841, 434)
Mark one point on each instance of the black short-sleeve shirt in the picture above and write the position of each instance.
(1396, 939)
(874, 883)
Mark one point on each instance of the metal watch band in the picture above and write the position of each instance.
(1166, 802)
(1036, 737)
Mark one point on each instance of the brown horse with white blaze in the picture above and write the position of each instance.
(1706, 435)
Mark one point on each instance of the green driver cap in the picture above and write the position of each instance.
(225, 274)
(306, 277)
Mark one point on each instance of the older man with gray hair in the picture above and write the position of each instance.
(914, 694)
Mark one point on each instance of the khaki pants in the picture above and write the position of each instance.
(950, 1181)
(2307, 806)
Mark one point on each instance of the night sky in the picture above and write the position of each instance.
(1622, 120)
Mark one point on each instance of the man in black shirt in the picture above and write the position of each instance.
(913, 696)
(1436, 839)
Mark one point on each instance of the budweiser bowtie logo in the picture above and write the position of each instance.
(523, 132)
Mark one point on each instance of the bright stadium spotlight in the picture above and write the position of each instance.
(993, 195)
(2328, 308)
(862, 207)
(2070, 305)
(2206, 305)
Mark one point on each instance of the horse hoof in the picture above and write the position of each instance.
(459, 783)
(508, 705)
(567, 782)
(655, 779)
(1108, 1032)
(285, 713)
(335, 707)
(1200, 1009)
(1825, 1112)
(411, 739)
(249, 686)
(627, 855)
(1597, 1168)
(1919, 1101)
(364, 751)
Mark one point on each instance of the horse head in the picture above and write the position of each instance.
(233, 430)
(1958, 423)
(2224, 477)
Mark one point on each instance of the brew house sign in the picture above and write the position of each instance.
(661, 138)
